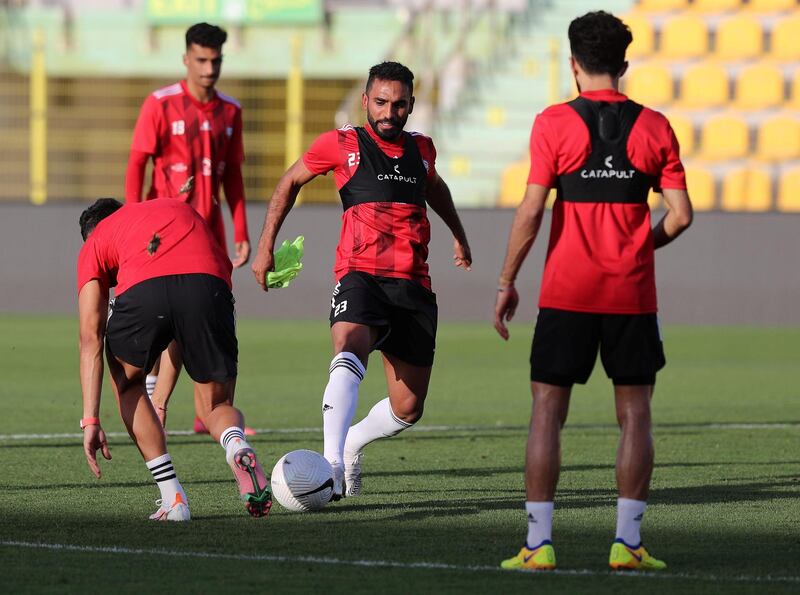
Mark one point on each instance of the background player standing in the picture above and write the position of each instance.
(172, 284)
(603, 153)
(382, 298)
(194, 135)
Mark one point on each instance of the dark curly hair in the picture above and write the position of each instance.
(391, 71)
(598, 41)
(102, 208)
(205, 35)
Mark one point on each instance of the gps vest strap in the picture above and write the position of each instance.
(380, 178)
(607, 175)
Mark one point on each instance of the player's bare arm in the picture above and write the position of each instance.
(524, 230)
(441, 201)
(92, 314)
(233, 185)
(282, 201)
(676, 220)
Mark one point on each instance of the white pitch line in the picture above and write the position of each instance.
(454, 428)
(64, 547)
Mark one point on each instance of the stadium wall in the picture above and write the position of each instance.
(729, 269)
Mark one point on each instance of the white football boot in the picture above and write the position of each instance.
(179, 511)
(352, 474)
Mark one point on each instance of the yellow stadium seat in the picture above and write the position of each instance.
(704, 85)
(759, 86)
(771, 5)
(513, 182)
(786, 39)
(724, 137)
(716, 5)
(739, 37)
(684, 131)
(654, 199)
(644, 36)
(778, 138)
(650, 84)
(684, 36)
(659, 5)
(747, 189)
(702, 187)
(789, 191)
(794, 94)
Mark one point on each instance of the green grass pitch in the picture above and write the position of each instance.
(441, 507)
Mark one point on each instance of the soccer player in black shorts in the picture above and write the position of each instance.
(173, 283)
(603, 153)
(382, 298)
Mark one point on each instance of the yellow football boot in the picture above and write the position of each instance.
(542, 557)
(623, 557)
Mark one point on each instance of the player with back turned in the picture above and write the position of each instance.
(603, 153)
(193, 133)
(382, 298)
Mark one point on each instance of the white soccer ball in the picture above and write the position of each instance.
(302, 480)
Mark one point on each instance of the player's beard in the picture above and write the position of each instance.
(390, 136)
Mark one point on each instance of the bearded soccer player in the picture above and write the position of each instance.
(382, 298)
(603, 153)
(194, 135)
(173, 283)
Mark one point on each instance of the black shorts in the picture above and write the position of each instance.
(565, 347)
(404, 310)
(196, 310)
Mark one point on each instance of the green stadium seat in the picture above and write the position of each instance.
(759, 86)
(701, 186)
(704, 85)
(785, 44)
(747, 189)
(789, 191)
(650, 84)
(684, 36)
(739, 37)
(724, 137)
(778, 138)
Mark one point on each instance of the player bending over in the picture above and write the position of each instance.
(172, 282)
(382, 298)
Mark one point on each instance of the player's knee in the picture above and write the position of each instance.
(410, 411)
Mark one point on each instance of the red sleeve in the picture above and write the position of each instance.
(134, 176)
(653, 149)
(145, 134)
(91, 264)
(323, 155)
(428, 152)
(234, 194)
(236, 145)
(542, 153)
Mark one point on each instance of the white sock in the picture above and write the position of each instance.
(232, 440)
(380, 422)
(339, 403)
(150, 384)
(629, 520)
(166, 479)
(540, 523)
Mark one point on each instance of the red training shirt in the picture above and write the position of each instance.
(188, 138)
(600, 257)
(368, 227)
(116, 251)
